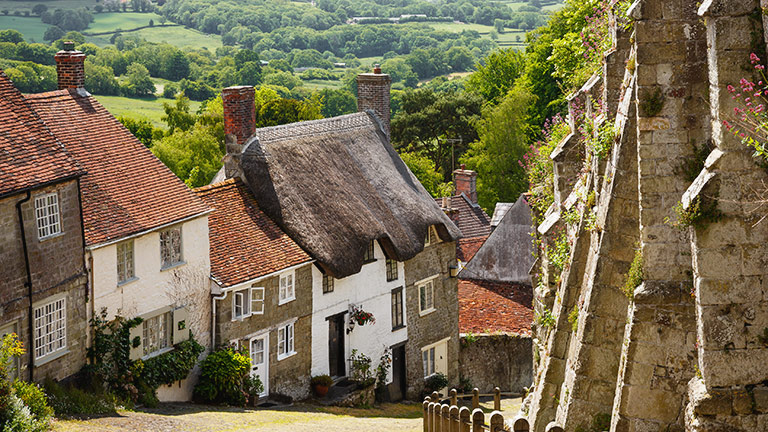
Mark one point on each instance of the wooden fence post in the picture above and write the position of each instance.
(426, 414)
(478, 420)
(454, 414)
(465, 419)
(435, 397)
(497, 399)
(436, 423)
(445, 413)
(497, 422)
(520, 424)
(431, 417)
(475, 399)
(454, 397)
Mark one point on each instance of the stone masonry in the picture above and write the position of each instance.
(686, 349)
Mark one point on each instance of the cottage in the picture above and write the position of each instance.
(43, 293)
(340, 191)
(262, 287)
(145, 232)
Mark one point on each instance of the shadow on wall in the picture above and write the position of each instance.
(488, 361)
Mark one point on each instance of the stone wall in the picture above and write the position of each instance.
(435, 326)
(503, 361)
(57, 267)
(685, 350)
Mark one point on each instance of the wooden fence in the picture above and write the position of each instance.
(444, 415)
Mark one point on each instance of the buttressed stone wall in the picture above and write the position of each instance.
(685, 348)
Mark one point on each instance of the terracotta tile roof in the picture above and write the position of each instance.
(127, 189)
(29, 154)
(466, 248)
(487, 307)
(245, 243)
(472, 220)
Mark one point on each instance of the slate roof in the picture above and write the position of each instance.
(29, 154)
(333, 185)
(127, 190)
(498, 213)
(472, 220)
(244, 242)
(488, 307)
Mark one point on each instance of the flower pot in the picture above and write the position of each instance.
(321, 390)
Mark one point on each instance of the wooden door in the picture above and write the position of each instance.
(336, 346)
(398, 373)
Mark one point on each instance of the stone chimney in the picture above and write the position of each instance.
(466, 182)
(373, 94)
(451, 212)
(239, 124)
(70, 67)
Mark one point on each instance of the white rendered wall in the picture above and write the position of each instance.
(368, 288)
(187, 285)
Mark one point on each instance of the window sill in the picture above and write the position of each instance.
(284, 301)
(241, 318)
(328, 292)
(400, 327)
(172, 266)
(427, 311)
(51, 357)
(285, 356)
(49, 237)
(127, 281)
(369, 261)
(393, 280)
(157, 353)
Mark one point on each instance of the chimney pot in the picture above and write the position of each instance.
(377, 69)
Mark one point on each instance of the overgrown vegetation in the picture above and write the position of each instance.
(635, 274)
(573, 318)
(23, 406)
(652, 104)
(223, 377)
(544, 318)
(700, 213)
(435, 382)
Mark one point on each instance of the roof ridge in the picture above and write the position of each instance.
(220, 185)
(312, 127)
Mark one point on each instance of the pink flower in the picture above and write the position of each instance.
(754, 58)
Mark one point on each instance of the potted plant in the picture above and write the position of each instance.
(360, 317)
(321, 384)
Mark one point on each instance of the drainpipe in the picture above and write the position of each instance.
(213, 317)
(28, 283)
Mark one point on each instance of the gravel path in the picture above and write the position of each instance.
(181, 417)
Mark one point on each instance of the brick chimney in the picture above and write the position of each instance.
(239, 124)
(373, 94)
(70, 67)
(466, 182)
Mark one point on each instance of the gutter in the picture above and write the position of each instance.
(28, 283)
(147, 231)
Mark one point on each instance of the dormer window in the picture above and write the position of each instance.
(369, 255)
(431, 236)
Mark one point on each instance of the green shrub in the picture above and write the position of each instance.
(221, 377)
(322, 380)
(253, 387)
(635, 275)
(68, 401)
(19, 418)
(435, 382)
(34, 398)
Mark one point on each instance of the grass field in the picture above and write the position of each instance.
(323, 84)
(140, 108)
(177, 35)
(31, 27)
(109, 22)
(14, 5)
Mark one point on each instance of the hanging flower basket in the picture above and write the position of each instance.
(360, 317)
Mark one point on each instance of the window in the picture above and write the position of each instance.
(13, 369)
(397, 308)
(157, 333)
(327, 284)
(428, 361)
(369, 255)
(285, 342)
(247, 302)
(170, 247)
(125, 270)
(47, 215)
(427, 297)
(50, 328)
(287, 292)
(431, 236)
(391, 269)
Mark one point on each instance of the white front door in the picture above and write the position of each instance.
(260, 360)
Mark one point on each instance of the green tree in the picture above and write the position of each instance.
(496, 154)
(39, 8)
(399, 71)
(249, 73)
(12, 36)
(100, 80)
(283, 79)
(142, 129)
(176, 66)
(53, 33)
(139, 83)
(193, 155)
(284, 111)
(424, 170)
(177, 115)
(496, 75)
(459, 58)
(337, 102)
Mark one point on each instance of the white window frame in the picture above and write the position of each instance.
(428, 361)
(250, 301)
(164, 265)
(48, 215)
(50, 316)
(128, 262)
(258, 297)
(286, 340)
(284, 295)
(168, 336)
(428, 306)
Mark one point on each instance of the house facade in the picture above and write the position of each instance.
(261, 283)
(43, 292)
(145, 232)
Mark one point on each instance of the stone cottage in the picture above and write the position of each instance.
(664, 282)
(262, 289)
(43, 293)
(145, 232)
(340, 191)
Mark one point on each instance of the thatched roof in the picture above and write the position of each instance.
(336, 184)
(507, 254)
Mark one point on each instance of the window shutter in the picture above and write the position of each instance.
(135, 342)
(180, 325)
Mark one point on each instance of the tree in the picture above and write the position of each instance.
(399, 71)
(250, 73)
(139, 83)
(283, 79)
(177, 115)
(176, 66)
(39, 8)
(337, 102)
(142, 129)
(501, 145)
(53, 33)
(496, 75)
(244, 56)
(193, 155)
(12, 36)
(284, 111)
(426, 119)
(459, 58)
(424, 170)
(100, 80)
